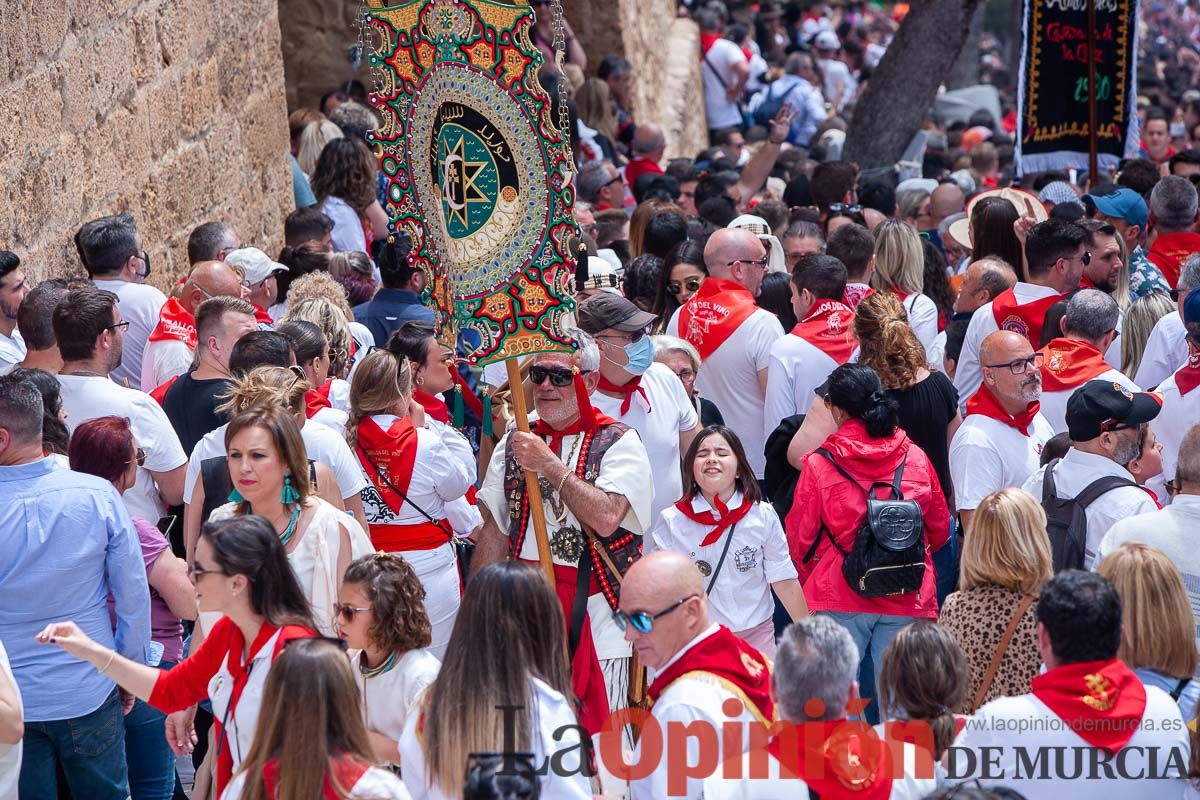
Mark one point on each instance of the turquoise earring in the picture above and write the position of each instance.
(289, 494)
(236, 497)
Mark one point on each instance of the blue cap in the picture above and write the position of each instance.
(1191, 307)
(1123, 204)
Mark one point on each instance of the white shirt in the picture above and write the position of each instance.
(729, 378)
(12, 349)
(140, 304)
(554, 729)
(163, 360)
(967, 375)
(86, 398)
(347, 234)
(1078, 469)
(331, 417)
(1179, 413)
(321, 443)
(1054, 404)
(375, 784)
(721, 58)
(389, 698)
(986, 455)
(837, 75)
(1166, 351)
(670, 414)
(464, 516)
(935, 354)
(1023, 730)
(796, 367)
(922, 318)
(758, 556)
(10, 754)
(1171, 530)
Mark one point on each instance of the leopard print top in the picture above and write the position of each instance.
(977, 618)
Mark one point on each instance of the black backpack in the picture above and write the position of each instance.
(780, 478)
(1066, 519)
(770, 105)
(888, 555)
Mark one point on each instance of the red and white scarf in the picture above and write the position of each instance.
(393, 453)
(985, 403)
(723, 519)
(1069, 363)
(846, 760)
(1023, 318)
(175, 322)
(1102, 701)
(627, 391)
(1187, 377)
(829, 328)
(731, 661)
(713, 313)
(317, 399)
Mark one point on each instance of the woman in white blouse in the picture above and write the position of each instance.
(736, 540)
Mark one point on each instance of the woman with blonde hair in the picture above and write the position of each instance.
(900, 269)
(593, 102)
(1158, 631)
(326, 285)
(412, 478)
(1139, 321)
(313, 139)
(1005, 561)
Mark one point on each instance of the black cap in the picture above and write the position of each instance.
(607, 310)
(1101, 406)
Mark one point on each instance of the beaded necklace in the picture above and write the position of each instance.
(290, 530)
(372, 672)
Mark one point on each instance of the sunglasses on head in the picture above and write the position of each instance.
(559, 376)
(691, 284)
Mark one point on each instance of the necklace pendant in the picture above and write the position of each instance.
(704, 567)
(566, 544)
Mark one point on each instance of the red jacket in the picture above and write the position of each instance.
(824, 496)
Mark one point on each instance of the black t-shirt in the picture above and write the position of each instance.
(190, 405)
(926, 409)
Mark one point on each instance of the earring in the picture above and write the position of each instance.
(289, 494)
(420, 380)
(236, 497)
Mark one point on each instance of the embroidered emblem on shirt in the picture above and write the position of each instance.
(746, 559)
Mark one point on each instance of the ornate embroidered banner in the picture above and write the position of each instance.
(478, 172)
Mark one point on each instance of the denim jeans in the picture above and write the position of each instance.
(875, 631)
(945, 564)
(150, 759)
(90, 750)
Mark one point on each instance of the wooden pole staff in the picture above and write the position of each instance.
(536, 509)
(1093, 122)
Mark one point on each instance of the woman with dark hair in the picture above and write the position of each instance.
(55, 437)
(344, 184)
(924, 680)
(937, 282)
(512, 622)
(641, 279)
(356, 273)
(722, 511)
(830, 507)
(242, 578)
(682, 273)
(312, 351)
(315, 748)
(105, 447)
(775, 295)
(312, 256)
(992, 234)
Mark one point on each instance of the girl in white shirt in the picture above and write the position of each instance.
(380, 611)
(736, 540)
(900, 269)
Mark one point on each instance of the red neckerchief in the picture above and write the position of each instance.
(900, 294)
(838, 759)
(175, 322)
(160, 393)
(1170, 250)
(732, 662)
(262, 317)
(707, 40)
(855, 292)
(985, 403)
(1086, 282)
(713, 313)
(585, 424)
(627, 391)
(1187, 377)
(394, 451)
(435, 407)
(726, 519)
(1023, 318)
(1166, 156)
(1070, 363)
(316, 399)
(345, 770)
(828, 327)
(1102, 701)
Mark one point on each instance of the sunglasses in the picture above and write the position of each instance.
(643, 621)
(559, 376)
(139, 457)
(845, 208)
(196, 572)
(691, 284)
(348, 613)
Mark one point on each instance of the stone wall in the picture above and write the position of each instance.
(173, 111)
(316, 35)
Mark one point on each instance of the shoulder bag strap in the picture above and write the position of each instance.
(713, 67)
(1179, 687)
(897, 492)
(993, 667)
(721, 562)
(1101, 486)
(401, 494)
(1049, 492)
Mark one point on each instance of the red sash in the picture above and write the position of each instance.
(713, 313)
(581, 425)
(1070, 363)
(1102, 701)
(394, 450)
(435, 407)
(838, 759)
(175, 322)
(828, 327)
(345, 770)
(634, 386)
(262, 317)
(316, 399)
(1187, 377)
(738, 666)
(1023, 318)
(1169, 252)
(985, 403)
(727, 519)
(855, 292)
(587, 679)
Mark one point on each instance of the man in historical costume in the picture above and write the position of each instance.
(596, 485)
(698, 667)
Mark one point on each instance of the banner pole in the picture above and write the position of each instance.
(1093, 138)
(536, 510)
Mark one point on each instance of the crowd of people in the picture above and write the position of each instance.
(272, 521)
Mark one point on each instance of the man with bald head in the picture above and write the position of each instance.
(171, 347)
(946, 199)
(649, 144)
(733, 335)
(702, 672)
(999, 443)
(983, 281)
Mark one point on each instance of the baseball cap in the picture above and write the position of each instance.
(605, 310)
(256, 264)
(1058, 192)
(827, 40)
(1121, 203)
(1101, 406)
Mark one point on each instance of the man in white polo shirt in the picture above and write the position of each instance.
(733, 336)
(1180, 400)
(1000, 440)
(822, 340)
(1090, 728)
(1106, 423)
(1167, 349)
(636, 390)
(1055, 256)
(1076, 357)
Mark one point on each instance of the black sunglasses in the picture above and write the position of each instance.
(691, 284)
(559, 376)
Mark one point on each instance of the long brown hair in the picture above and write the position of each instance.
(304, 737)
(285, 435)
(381, 380)
(925, 677)
(345, 170)
(641, 218)
(886, 341)
(512, 621)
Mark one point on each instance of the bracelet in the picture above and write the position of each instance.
(111, 655)
(562, 482)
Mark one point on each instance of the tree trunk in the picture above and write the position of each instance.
(905, 83)
(965, 70)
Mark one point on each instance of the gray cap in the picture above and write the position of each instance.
(601, 311)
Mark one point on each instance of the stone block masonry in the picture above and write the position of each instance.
(171, 110)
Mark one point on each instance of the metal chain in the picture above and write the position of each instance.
(560, 57)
